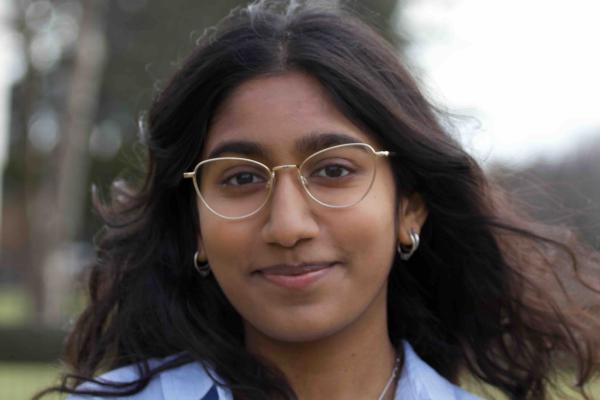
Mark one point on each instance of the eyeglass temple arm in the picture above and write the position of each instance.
(188, 174)
(383, 153)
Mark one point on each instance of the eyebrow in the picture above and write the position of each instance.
(316, 141)
(311, 143)
(242, 147)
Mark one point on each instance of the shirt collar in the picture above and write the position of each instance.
(186, 382)
(417, 381)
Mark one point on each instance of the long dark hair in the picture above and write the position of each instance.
(482, 293)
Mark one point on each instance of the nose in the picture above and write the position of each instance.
(290, 217)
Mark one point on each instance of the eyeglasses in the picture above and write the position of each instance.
(337, 177)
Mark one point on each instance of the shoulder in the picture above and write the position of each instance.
(186, 382)
(418, 381)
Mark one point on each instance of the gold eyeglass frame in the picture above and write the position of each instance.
(376, 154)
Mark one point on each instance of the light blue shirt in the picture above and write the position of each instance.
(418, 381)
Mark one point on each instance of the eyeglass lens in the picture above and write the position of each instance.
(337, 177)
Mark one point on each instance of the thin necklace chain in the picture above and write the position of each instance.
(389, 382)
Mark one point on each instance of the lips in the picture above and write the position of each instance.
(296, 276)
(295, 269)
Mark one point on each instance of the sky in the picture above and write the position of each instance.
(527, 72)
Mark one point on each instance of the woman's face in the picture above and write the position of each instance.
(353, 247)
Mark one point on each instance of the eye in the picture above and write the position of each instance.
(243, 178)
(332, 171)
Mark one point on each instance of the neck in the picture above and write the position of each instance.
(356, 362)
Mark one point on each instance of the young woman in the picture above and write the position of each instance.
(308, 230)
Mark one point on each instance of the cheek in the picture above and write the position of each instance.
(366, 234)
(377, 223)
(370, 230)
(226, 243)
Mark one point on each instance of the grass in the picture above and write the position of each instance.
(20, 381)
(563, 391)
(15, 306)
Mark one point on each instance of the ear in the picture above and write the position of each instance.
(412, 214)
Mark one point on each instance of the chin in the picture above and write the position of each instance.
(299, 330)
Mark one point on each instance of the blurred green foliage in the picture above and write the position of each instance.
(15, 306)
(31, 343)
(20, 381)
(562, 391)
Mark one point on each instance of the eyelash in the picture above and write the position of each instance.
(229, 180)
(347, 171)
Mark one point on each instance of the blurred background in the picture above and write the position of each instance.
(518, 78)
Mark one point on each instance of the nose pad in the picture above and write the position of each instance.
(270, 183)
(303, 180)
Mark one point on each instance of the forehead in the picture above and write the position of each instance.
(277, 112)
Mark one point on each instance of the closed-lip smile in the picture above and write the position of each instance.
(296, 276)
(295, 269)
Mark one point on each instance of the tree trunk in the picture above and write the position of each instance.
(73, 160)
